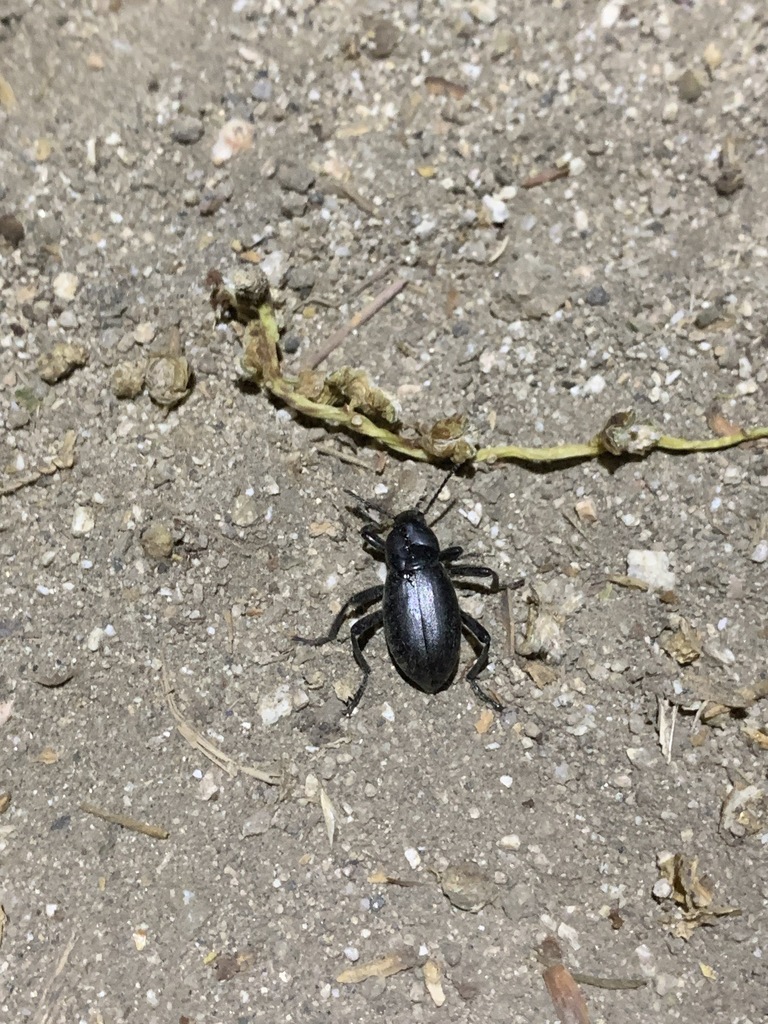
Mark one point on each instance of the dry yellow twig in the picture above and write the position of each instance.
(133, 824)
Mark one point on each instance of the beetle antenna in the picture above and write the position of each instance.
(364, 503)
(433, 499)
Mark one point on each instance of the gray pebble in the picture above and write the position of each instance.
(295, 177)
(262, 90)
(597, 296)
(301, 279)
(291, 344)
(188, 131)
(293, 205)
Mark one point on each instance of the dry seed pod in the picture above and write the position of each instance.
(167, 379)
(62, 359)
(128, 379)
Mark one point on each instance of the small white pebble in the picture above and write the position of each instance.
(352, 953)
(662, 890)
(506, 780)
(760, 554)
(412, 856)
(387, 713)
(82, 521)
(722, 624)
(93, 643)
(510, 842)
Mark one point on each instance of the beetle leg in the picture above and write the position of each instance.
(372, 537)
(362, 629)
(483, 638)
(450, 554)
(475, 570)
(356, 602)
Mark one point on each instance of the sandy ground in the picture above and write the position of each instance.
(144, 546)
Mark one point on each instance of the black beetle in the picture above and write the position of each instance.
(420, 610)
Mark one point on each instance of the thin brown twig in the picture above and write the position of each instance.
(377, 275)
(544, 177)
(153, 831)
(364, 315)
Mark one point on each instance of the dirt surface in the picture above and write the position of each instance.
(638, 281)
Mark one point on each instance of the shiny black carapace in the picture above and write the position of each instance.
(420, 611)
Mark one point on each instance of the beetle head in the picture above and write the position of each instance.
(410, 543)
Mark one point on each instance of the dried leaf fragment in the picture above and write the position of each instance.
(6, 707)
(433, 981)
(693, 893)
(684, 644)
(5, 801)
(436, 85)
(719, 423)
(402, 959)
(329, 814)
(743, 811)
(3, 922)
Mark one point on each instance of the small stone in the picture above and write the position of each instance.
(484, 11)
(301, 279)
(68, 320)
(295, 177)
(262, 90)
(82, 521)
(65, 286)
(93, 641)
(293, 205)
(595, 385)
(510, 842)
(244, 511)
(11, 229)
(690, 86)
(669, 112)
(187, 131)
(274, 706)
(586, 511)
(275, 267)
(382, 39)
(497, 209)
(652, 567)
(235, 136)
(257, 824)
(662, 890)
(597, 296)
(713, 56)
(157, 541)
(665, 983)
(760, 553)
(426, 227)
(209, 785)
(609, 15)
(412, 856)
